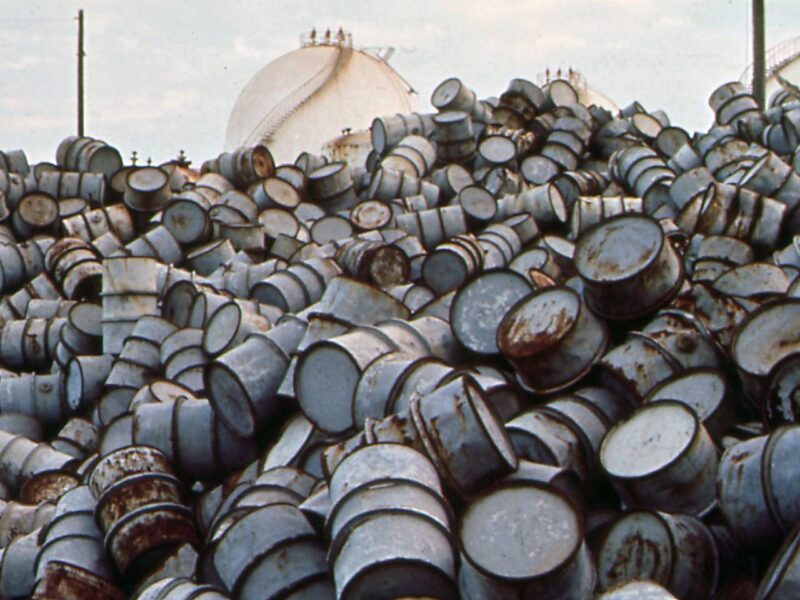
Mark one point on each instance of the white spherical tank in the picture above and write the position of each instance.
(307, 97)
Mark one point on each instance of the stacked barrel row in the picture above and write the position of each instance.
(529, 348)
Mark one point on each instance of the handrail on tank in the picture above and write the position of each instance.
(276, 117)
(777, 57)
(573, 76)
(327, 38)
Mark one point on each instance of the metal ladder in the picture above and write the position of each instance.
(274, 119)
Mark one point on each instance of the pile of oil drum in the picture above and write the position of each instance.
(528, 349)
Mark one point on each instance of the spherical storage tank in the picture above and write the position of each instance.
(309, 96)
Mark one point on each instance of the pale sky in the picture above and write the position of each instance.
(163, 75)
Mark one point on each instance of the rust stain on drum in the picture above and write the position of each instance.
(63, 581)
(632, 548)
(149, 532)
(516, 339)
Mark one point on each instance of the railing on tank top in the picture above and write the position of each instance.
(776, 58)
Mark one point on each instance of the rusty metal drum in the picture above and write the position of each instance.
(756, 487)
(479, 306)
(233, 206)
(78, 438)
(377, 383)
(154, 528)
(539, 170)
(148, 518)
(451, 179)
(588, 211)
(331, 228)
(452, 94)
(242, 384)
(331, 186)
(20, 519)
(208, 257)
(127, 461)
(274, 192)
(229, 325)
(380, 479)
(371, 214)
(451, 263)
(763, 339)
(84, 380)
(387, 132)
(725, 92)
(538, 265)
(39, 396)
(755, 281)
(500, 392)
(129, 291)
(562, 479)
(454, 136)
(132, 492)
(250, 540)
(547, 437)
(676, 551)
(36, 213)
(627, 267)
(635, 367)
(374, 261)
(684, 338)
(782, 402)
(17, 574)
(146, 189)
(328, 372)
(480, 207)
(380, 559)
(386, 496)
(526, 539)
(33, 469)
(551, 338)
(662, 458)
(179, 427)
(63, 581)
(612, 405)
(186, 217)
(376, 306)
(463, 436)
(376, 462)
(704, 390)
(590, 425)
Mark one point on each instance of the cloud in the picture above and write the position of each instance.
(12, 104)
(41, 121)
(558, 41)
(671, 21)
(627, 4)
(479, 11)
(26, 61)
(242, 48)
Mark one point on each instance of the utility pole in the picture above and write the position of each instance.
(81, 54)
(759, 59)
